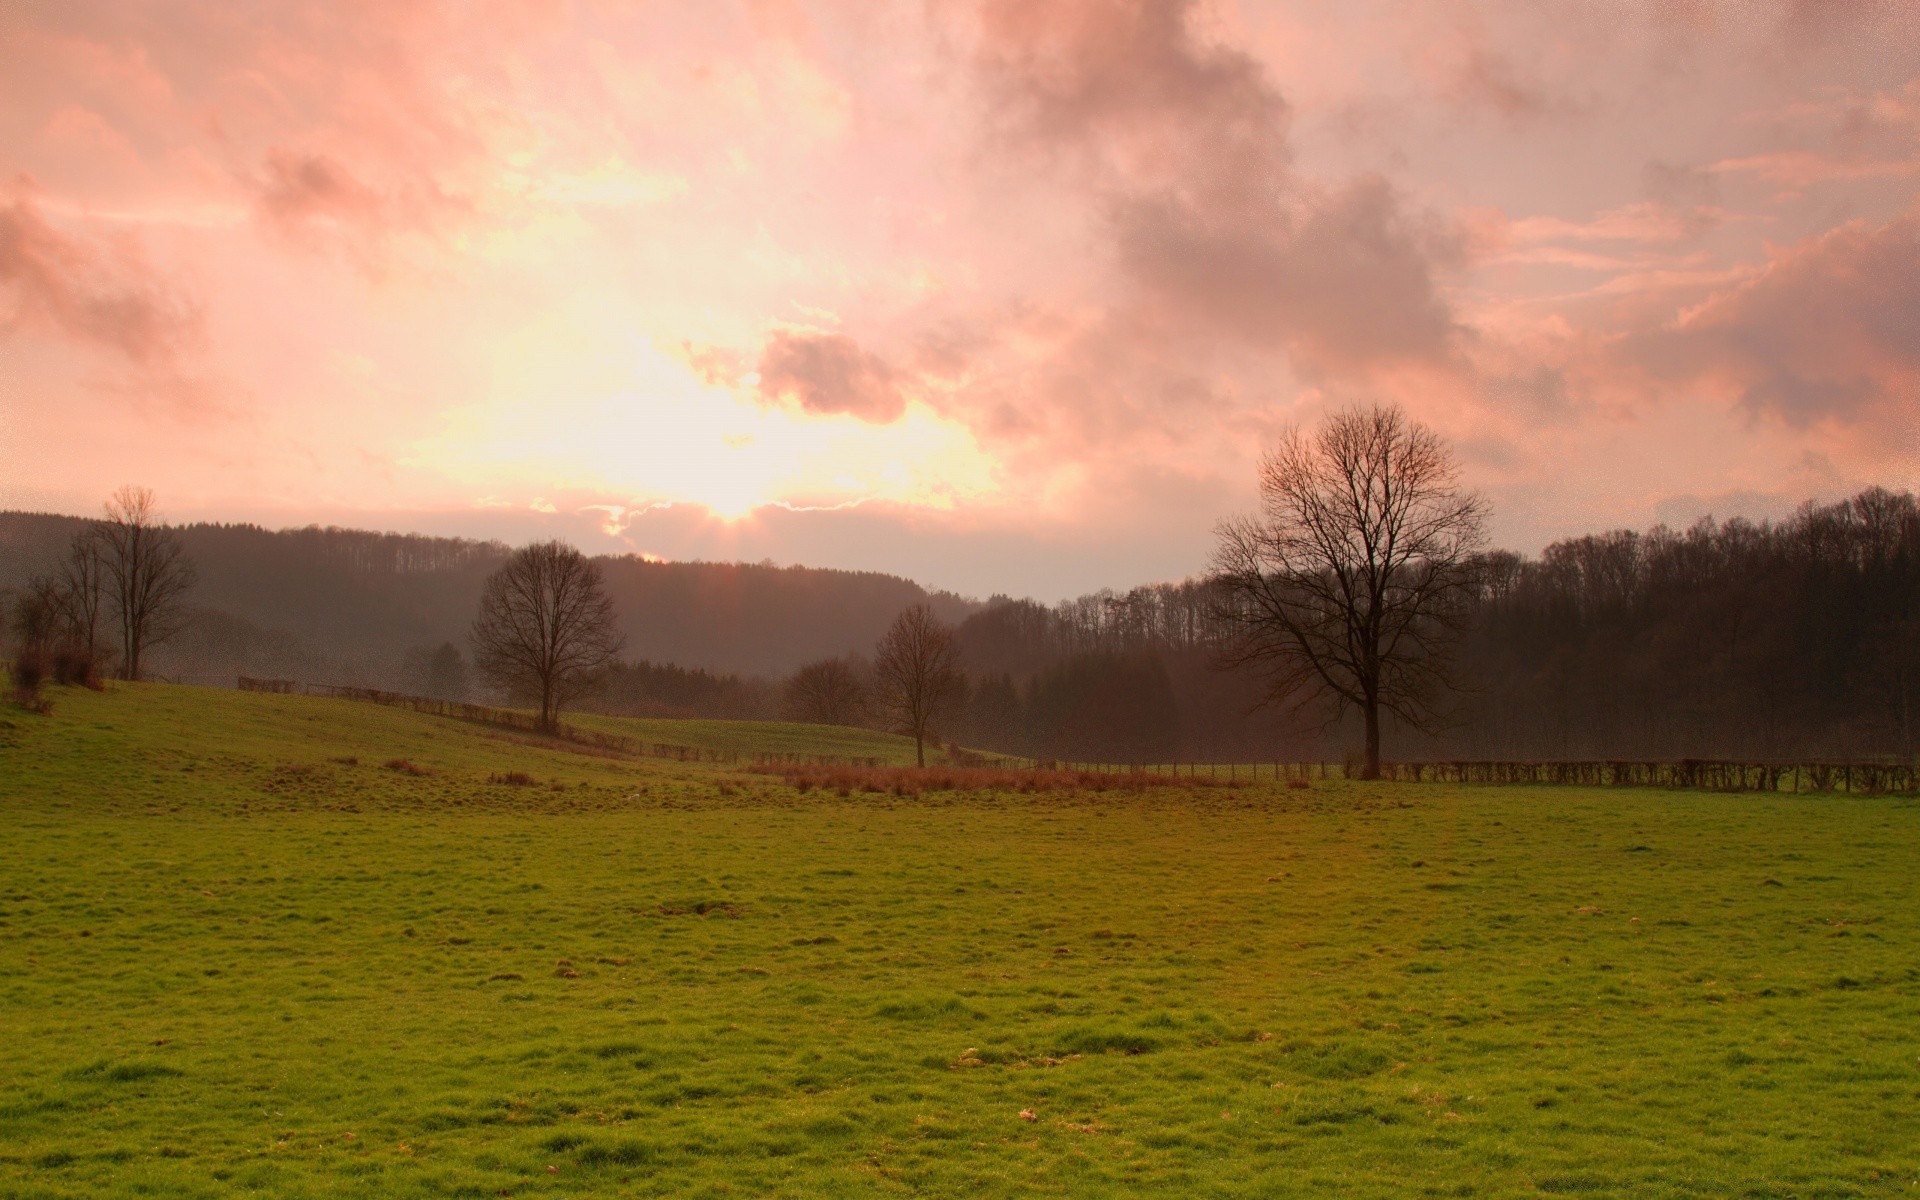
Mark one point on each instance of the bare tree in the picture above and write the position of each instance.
(37, 616)
(146, 574)
(83, 586)
(1352, 580)
(827, 692)
(915, 674)
(545, 627)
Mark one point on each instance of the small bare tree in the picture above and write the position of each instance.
(827, 692)
(146, 574)
(83, 586)
(915, 674)
(545, 627)
(1352, 580)
(38, 618)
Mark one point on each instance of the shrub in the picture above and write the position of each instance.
(512, 779)
(76, 666)
(405, 767)
(31, 669)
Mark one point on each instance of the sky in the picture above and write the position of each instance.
(1002, 295)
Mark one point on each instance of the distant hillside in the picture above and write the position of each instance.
(349, 605)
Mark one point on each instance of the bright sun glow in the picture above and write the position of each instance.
(564, 418)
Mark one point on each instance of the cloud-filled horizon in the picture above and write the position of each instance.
(1001, 296)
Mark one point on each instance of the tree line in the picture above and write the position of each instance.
(1790, 639)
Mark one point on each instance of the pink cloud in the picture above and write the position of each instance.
(101, 293)
(1117, 242)
(1825, 332)
(828, 373)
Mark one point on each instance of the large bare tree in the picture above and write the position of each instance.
(146, 573)
(915, 674)
(545, 627)
(1352, 580)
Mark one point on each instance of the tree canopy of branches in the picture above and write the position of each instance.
(1354, 579)
(147, 574)
(827, 692)
(916, 674)
(83, 586)
(545, 627)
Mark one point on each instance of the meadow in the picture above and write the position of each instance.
(305, 947)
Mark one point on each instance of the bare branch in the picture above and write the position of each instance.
(545, 627)
(1353, 580)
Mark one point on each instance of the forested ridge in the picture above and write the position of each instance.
(349, 606)
(1738, 639)
(1755, 640)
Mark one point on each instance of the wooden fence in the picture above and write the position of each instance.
(1685, 774)
(1688, 774)
(512, 719)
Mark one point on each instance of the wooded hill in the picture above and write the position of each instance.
(1755, 641)
(1740, 640)
(350, 606)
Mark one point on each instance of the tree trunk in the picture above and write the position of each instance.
(920, 747)
(1372, 769)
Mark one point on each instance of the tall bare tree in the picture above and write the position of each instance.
(147, 574)
(1352, 580)
(545, 627)
(827, 692)
(916, 674)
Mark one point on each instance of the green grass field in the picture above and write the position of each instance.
(233, 961)
(748, 737)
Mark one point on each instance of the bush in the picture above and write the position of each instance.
(30, 669)
(76, 666)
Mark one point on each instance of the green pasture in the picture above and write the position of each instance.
(746, 738)
(240, 954)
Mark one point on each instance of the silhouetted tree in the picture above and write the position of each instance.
(915, 674)
(827, 692)
(37, 617)
(83, 587)
(995, 717)
(545, 627)
(1353, 579)
(1105, 708)
(440, 672)
(147, 573)
(646, 689)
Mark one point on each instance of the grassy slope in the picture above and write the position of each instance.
(748, 737)
(227, 963)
